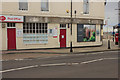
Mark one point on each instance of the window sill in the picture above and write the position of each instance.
(45, 11)
(86, 41)
(23, 10)
(37, 44)
(86, 14)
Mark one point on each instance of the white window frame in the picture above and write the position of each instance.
(35, 37)
(62, 26)
(85, 6)
(23, 3)
(12, 25)
(44, 3)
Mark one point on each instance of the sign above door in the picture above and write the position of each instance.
(15, 19)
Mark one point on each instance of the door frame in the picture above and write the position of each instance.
(66, 37)
(15, 37)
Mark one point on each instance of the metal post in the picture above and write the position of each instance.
(119, 36)
(108, 44)
(119, 32)
(108, 38)
(71, 30)
(113, 33)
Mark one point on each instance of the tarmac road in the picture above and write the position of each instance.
(86, 65)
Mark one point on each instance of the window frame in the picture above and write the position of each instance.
(47, 10)
(31, 36)
(11, 25)
(63, 26)
(86, 7)
(23, 3)
(84, 27)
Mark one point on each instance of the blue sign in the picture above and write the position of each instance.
(98, 32)
(119, 24)
(113, 33)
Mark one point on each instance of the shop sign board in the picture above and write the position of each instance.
(19, 32)
(119, 24)
(55, 31)
(50, 31)
(40, 19)
(15, 19)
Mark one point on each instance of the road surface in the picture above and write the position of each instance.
(84, 65)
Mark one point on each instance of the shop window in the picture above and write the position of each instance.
(85, 6)
(35, 33)
(23, 5)
(44, 5)
(86, 33)
(11, 25)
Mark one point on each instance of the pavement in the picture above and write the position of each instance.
(21, 54)
(88, 65)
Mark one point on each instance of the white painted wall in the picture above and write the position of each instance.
(56, 9)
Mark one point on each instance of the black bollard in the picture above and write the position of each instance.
(108, 44)
(113, 39)
(71, 47)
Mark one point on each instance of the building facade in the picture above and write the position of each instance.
(34, 25)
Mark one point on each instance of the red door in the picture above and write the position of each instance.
(62, 38)
(11, 34)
